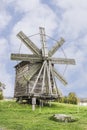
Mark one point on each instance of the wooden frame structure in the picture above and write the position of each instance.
(35, 74)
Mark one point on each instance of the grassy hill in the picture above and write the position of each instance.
(15, 116)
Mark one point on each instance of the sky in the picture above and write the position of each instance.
(60, 18)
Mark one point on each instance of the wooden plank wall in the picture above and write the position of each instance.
(24, 87)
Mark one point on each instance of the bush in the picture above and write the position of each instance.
(1, 95)
(71, 99)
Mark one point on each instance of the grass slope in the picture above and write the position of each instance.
(15, 116)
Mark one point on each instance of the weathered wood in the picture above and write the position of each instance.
(26, 57)
(43, 41)
(56, 47)
(24, 88)
(62, 61)
(35, 75)
(59, 76)
(29, 43)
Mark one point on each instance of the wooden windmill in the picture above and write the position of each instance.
(35, 74)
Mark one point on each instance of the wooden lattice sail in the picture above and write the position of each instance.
(35, 74)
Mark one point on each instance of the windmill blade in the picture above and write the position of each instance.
(29, 43)
(56, 47)
(33, 70)
(26, 57)
(43, 41)
(62, 61)
(59, 76)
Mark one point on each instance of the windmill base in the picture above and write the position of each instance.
(28, 99)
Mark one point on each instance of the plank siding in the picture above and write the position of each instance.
(23, 87)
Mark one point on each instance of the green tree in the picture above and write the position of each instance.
(65, 99)
(72, 98)
(2, 86)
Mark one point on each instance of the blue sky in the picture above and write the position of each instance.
(61, 18)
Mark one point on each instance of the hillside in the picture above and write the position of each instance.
(15, 116)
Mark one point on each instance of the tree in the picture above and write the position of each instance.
(72, 98)
(2, 86)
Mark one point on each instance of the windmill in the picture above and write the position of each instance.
(35, 74)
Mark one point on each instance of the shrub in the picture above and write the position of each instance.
(1, 95)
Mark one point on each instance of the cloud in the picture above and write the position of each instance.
(71, 26)
(35, 14)
(5, 17)
(6, 78)
(4, 53)
(26, 6)
(73, 18)
(65, 18)
(69, 4)
(42, 15)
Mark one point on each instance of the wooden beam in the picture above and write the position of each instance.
(29, 43)
(26, 57)
(49, 81)
(38, 77)
(43, 41)
(33, 70)
(62, 61)
(59, 76)
(56, 47)
(53, 78)
(43, 82)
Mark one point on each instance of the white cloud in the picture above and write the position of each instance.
(3, 46)
(42, 16)
(4, 52)
(69, 4)
(73, 27)
(26, 5)
(73, 17)
(32, 20)
(73, 23)
(70, 24)
(5, 17)
(5, 76)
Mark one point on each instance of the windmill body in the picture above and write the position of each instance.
(35, 74)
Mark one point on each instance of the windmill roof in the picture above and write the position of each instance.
(22, 63)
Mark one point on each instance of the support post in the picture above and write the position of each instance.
(50, 103)
(33, 103)
(41, 103)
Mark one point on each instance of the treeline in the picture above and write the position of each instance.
(70, 99)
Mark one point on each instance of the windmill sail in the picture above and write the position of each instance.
(59, 76)
(62, 61)
(43, 41)
(29, 43)
(56, 47)
(26, 57)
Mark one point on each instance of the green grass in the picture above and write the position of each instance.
(15, 116)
